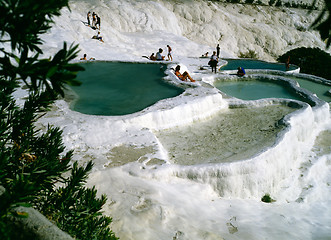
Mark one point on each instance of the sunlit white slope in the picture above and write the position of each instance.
(143, 208)
(237, 28)
(219, 201)
(125, 26)
(265, 172)
(222, 201)
(207, 201)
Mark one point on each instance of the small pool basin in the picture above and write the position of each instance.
(117, 88)
(233, 64)
(255, 89)
(321, 90)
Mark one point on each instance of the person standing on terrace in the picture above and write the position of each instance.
(169, 53)
(88, 18)
(213, 61)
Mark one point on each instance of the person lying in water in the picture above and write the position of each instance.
(85, 57)
(183, 76)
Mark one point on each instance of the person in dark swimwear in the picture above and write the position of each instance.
(204, 55)
(213, 62)
(183, 76)
(88, 18)
(94, 19)
(97, 25)
(169, 52)
(152, 57)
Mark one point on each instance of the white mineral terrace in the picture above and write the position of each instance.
(196, 166)
(235, 149)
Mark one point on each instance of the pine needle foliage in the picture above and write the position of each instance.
(33, 162)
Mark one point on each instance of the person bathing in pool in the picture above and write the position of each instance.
(183, 76)
(84, 57)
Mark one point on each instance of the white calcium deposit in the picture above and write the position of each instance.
(196, 166)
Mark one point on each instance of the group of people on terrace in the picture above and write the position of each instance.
(214, 61)
(95, 24)
(84, 58)
(96, 21)
(159, 57)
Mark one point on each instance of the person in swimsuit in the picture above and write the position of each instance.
(204, 55)
(88, 18)
(169, 53)
(152, 57)
(97, 25)
(183, 76)
(94, 19)
(84, 58)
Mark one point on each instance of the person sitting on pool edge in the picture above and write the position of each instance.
(159, 57)
(152, 57)
(241, 72)
(183, 76)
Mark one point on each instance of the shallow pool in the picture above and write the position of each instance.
(116, 88)
(233, 64)
(254, 89)
(321, 90)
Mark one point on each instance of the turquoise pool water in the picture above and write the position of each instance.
(319, 89)
(233, 64)
(116, 88)
(253, 90)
